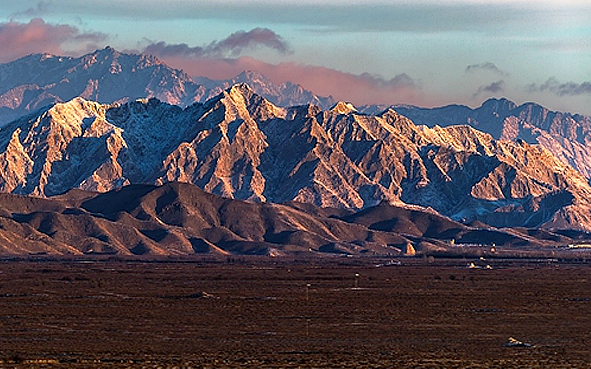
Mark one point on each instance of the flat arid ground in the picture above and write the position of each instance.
(261, 313)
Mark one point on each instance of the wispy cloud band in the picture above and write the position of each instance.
(487, 66)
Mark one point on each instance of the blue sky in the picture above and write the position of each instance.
(387, 52)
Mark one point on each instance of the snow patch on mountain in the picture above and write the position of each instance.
(567, 136)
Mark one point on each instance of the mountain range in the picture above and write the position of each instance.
(113, 124)
(108, 76)
(241, 146)
(566, 135)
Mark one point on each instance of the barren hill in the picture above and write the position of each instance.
(181, 219)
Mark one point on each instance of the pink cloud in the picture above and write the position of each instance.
(20, 39)
(212, 61)
(358, 89)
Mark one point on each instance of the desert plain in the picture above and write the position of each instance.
(268, 313)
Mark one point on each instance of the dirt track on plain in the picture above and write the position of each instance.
(261, 314)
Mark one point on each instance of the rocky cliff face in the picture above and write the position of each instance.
(239, 145)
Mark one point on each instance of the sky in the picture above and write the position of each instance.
(425, 53)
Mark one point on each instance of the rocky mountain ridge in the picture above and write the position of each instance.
(241, 146)
(108, 76)
(284, 94)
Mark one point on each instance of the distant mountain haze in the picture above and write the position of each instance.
(108, 76)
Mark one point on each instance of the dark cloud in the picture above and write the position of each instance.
(562, 89)
(20, 39)
(240, 40)
(41, 8)
(488, 66)
(232, 45)
(493, 88)
(163, 49)
(400, 80)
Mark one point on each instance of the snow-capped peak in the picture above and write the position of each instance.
(343, 107)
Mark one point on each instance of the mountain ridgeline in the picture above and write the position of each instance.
(241, 146)
(567, 136)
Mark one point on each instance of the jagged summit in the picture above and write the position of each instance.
(285, 94)
(342, 107)
(108, 49)
(496, 105)
(242, 88)
(252, 77)
(566, 135)
(105, 76)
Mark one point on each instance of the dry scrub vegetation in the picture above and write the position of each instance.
(245, 313)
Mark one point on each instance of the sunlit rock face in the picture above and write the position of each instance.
(241, 146)
(567, 136)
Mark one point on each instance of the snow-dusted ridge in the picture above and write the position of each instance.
(240, 145)
(109, 119)
(566, 135)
